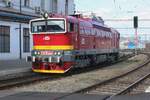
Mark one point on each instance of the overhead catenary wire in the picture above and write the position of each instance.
(124, 28)
(125, 19)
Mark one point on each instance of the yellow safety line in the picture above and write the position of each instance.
(49, 71)
(64, 47)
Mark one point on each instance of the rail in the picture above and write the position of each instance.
(85, 90)
(31, 78)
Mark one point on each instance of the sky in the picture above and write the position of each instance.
(119, 9)
(115, 8)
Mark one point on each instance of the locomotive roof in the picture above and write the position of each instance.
(88, 22)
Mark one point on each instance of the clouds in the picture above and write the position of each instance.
(119, 9)
(104, 12)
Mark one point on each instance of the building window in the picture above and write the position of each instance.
(26, 40)
(4, 39)
(26, 3)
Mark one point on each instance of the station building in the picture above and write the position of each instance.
(15, 39)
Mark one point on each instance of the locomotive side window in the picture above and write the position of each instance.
(70, 27)
(52, 25)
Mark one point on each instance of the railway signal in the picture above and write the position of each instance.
(135, 21)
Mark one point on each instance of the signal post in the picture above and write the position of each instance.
(135, 24)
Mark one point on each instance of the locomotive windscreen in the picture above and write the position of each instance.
(50, 25)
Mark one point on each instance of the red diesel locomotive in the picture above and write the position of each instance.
(64, 42)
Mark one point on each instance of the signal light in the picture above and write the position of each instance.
(135, 21)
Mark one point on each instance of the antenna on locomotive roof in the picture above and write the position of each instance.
(77, 15)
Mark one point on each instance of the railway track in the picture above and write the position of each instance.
(121, 84)
(24, 80)
(30, 78)
(130, 87)
(143, 87)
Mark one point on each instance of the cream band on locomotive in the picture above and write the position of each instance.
(64, 42)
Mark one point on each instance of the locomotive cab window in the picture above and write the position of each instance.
(51, 26)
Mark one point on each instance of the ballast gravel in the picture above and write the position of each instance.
(76, 82)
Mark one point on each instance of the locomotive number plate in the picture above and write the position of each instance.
(46, 52)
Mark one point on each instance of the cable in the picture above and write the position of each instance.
(125, 19)
(124, 28)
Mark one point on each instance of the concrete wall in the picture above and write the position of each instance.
(48, 5)
(16, 5)
(14, 41)
(71, 7)
(14, 47)
(61, 6)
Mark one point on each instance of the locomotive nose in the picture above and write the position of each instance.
(52, 42)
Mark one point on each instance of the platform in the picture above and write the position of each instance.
(147, 90)
(144, 96)
(51, 96)
(14, 66)
(63, 96)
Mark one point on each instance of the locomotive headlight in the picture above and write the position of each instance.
(38, 53)
(55, 53)
(45, 15)
(59, 53)
(35, 52)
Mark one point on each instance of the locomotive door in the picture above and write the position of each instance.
(76, 35)
(73, 29)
